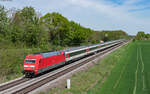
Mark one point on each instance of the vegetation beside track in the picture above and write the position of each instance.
(131, 74)
(84, 81)
(25, 31)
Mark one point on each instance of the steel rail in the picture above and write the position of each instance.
(26, 85)
(45, 80)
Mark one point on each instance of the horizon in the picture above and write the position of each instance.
(130, 16)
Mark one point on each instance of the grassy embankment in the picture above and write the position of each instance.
(83, 82)
(131, 75)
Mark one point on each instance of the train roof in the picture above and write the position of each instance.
(92, 45)
(81, 47)
(75, 48)
(53, 53)
(47, 54)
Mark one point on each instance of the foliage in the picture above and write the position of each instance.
(4, 23)
(58, 28)
(142, 36)
(113, 35)
(28, 28)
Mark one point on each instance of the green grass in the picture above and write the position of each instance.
(145, 49)
(84, 81)
(131, 74)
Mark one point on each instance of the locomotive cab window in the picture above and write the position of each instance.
(29, 60)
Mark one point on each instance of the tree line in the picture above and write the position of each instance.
(142, 36)
(28, 27)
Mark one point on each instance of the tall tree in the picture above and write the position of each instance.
(140, 35)
(4, 22)
(58, 27)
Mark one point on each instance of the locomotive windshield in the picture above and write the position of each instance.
(29, 60)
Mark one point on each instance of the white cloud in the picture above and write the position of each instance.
(130, 2)
(117, 13)
(96, 14)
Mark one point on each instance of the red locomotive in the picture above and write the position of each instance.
(41, 62)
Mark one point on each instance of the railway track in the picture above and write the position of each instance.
(14, 83)
(26, 85)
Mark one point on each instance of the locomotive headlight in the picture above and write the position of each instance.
(26, 66)
(32, 66)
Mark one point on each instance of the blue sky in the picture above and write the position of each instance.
(128, 15)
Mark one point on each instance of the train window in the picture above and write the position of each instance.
(29, 60)
(77, 52)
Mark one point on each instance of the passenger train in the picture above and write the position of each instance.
(40, 62)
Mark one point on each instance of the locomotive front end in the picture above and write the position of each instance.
(30, 67)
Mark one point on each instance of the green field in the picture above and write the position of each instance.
(131, 75)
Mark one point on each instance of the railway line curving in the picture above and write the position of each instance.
(26, 85)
